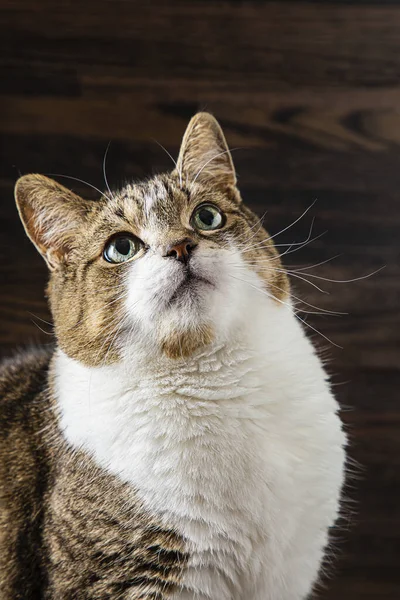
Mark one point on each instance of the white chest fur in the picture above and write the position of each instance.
(240, 449)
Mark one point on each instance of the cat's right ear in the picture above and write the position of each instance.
(51, 215)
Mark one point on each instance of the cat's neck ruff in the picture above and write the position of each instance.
(161, 402)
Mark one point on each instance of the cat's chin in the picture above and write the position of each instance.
(190, 291)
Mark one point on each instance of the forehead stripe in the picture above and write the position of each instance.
(149, 202)
(152, 196)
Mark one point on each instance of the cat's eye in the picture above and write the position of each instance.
(207, 217)
(121, 248)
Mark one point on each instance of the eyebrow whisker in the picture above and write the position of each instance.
(81, 181)
(173, 160)
(104, 169)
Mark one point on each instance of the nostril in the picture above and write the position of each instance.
(189, 247)
(181, 250)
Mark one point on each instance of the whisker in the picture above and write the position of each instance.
(298, 243)
(104, 169)
(323, 310)
(290, 310)
(317, 331)
(114, 326)
(81, 181)
(210, 160)
(258, 223)
(303, 279)
(294, 222)
(41, 329)
(345, 280)
(320, 263)
(118, 329)
(306, 241)
(108, 329)
(260, 220)
(272, 269)
(40, 319)
(288, 251)
(173, 160)
(108, 318)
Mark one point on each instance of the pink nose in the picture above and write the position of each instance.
(181, 250)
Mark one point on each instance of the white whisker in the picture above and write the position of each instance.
(322, 310)
(208, 162)
(290, 309)
(173, 160)
(40, 319)
(259, 224)
(41, 328)
(81, 181)
(272, 269)
(345, 280)
(290, 251)
(294, 222)
(104, 169)
(319, 333)
(303, 279)
(319, 264)
(299, 243)
(118, 329)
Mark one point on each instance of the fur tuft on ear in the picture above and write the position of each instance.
(204, 154)
(51, 216)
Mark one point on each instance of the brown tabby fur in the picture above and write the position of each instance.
(68, 529)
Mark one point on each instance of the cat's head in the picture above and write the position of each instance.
(165, 265)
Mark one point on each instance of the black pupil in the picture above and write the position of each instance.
(206, 216)
(123, 246)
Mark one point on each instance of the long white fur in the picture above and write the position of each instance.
(238, 448)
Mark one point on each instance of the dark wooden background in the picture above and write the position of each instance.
(310, 93)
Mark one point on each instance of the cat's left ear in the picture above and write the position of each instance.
(204, 155)
(52, 216)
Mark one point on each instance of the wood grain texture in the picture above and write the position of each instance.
(308, 94)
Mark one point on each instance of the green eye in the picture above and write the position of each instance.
(121, 248)
(207, 217)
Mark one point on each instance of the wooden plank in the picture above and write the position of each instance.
(287, 44)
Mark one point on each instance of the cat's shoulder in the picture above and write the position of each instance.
(24, 415)
(23, 376)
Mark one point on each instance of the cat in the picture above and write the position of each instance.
(181, 440)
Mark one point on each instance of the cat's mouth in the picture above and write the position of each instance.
(189, 286)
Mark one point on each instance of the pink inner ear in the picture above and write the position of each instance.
(51, 215)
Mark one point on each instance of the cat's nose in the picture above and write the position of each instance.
(181, 250)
